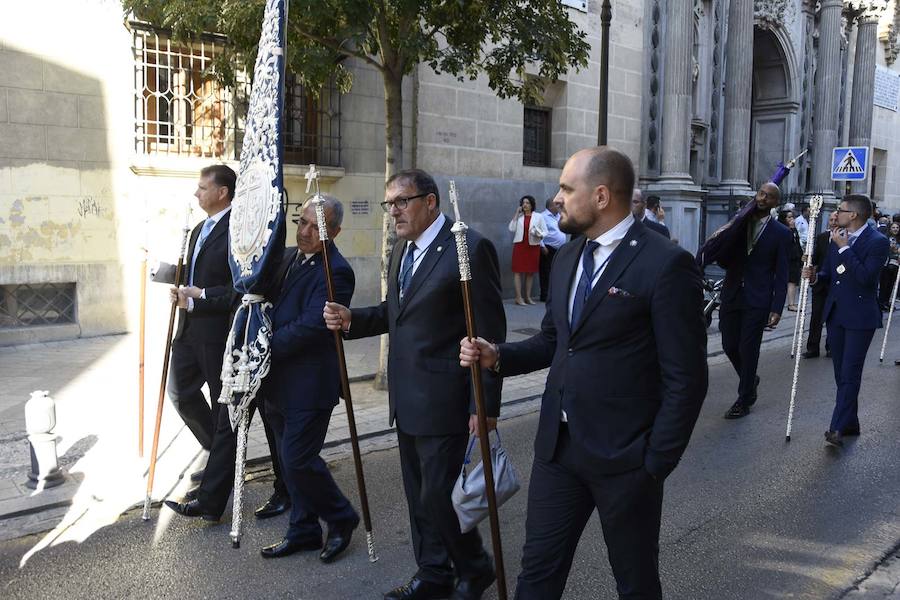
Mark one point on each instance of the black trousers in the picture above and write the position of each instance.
(742, 331)
(218, 477)
(430, 467)
(279, 486)
(544, 270)
(816, 321)
(561, 499)
(192, 365)
(299, 435)
(886, 284)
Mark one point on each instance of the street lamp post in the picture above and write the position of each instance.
(605, 21)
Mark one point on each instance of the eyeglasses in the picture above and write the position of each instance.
(843, 210)
(401, 202)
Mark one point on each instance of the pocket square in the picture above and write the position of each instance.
(614, 291)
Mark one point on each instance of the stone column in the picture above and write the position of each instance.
(738, 96)
(828, 86)
(863, 85)
(679, 196)
(676, 121)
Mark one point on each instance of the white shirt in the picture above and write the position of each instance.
(423, 242)
(802, 229)
(609, 241)
(852, 237)
(215, 219)
(649, 216)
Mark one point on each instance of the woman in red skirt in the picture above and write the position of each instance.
(529, 229)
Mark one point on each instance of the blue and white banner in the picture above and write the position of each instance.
(257, 221)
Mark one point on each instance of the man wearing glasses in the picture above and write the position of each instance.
(851, 270)
(430, 394)
(756, 274)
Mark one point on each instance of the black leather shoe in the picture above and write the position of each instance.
(197, 476)
(274, 506)
(287, 547)
(192, 509)
(418, 589)
(737, 410)
(833, 438)
(472, 589)
(191, 494)
(810, 354)
(338, 539)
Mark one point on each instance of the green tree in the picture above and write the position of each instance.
(502, 39)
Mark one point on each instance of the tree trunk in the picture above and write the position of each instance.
(393, 152)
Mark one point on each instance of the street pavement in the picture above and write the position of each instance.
(746, 515)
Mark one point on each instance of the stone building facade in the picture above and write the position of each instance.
(104, 124)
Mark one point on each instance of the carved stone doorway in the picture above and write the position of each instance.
(774, 109)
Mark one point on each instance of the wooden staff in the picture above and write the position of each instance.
(465, 276)
(165, 372)
(887, 328)
(319, 204)
(141, 356)
(815, 204)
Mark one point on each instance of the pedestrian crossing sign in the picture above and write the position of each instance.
(849, 163)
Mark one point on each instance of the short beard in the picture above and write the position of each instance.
(571, 227)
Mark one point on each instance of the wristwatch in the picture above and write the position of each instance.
(496, 367)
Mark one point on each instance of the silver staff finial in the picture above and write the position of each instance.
(312, 175)
(459, 231)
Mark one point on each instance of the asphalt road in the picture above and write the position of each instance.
(746, 516)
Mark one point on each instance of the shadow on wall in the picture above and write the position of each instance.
(60, 270)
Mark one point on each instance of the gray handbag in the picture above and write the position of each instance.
(469, 497)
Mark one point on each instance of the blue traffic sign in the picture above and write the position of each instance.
(849, 163)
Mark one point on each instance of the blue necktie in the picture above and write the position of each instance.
(584, 284)
(406, 269)
(204, 233)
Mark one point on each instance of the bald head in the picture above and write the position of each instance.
(594, 191)
(767, 197)
(607, 166)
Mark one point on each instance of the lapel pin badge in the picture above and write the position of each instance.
(439, 248)
(633, 243)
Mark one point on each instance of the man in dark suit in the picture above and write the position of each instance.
(625, 338)
(851, 269)
(205, 307)
(639, 210)
(430, 394)
(756, 274)
(206, 313)
(303, 386)
(819, 292)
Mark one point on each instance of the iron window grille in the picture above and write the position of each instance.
(35, 304)
(182, 110)
(536, 137)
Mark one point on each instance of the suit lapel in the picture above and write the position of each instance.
(218, 231)
(564, 273)
(286, 264)
(628, 248)
(431, 258)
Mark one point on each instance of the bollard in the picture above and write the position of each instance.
(40, 419)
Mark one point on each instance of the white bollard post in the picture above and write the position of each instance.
(40, 419)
